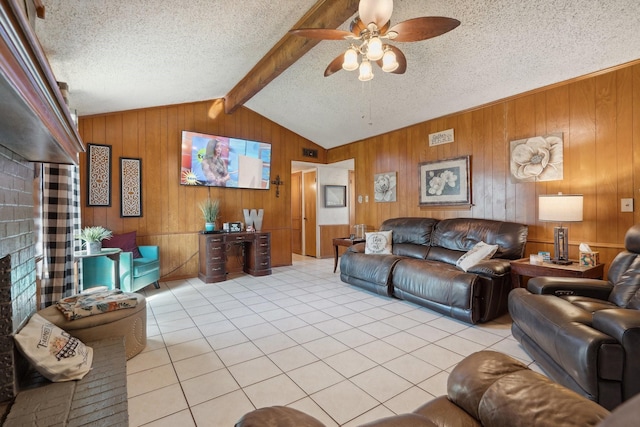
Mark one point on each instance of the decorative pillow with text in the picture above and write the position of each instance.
(379, 242)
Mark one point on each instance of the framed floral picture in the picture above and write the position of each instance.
(537, 159)
(384, 187)
(445, 182)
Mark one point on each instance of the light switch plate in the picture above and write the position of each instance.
(626, 205)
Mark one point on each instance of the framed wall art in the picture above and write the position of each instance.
(130, 187)
(98, 175)
(537, 159)
(335, 196)
(384, 187)
(445, 182)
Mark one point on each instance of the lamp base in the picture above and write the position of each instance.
(561, 261)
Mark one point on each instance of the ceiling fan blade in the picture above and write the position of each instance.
(423, 28)
(321, 33)
(376, 11)
(335, 65)
(400, 58)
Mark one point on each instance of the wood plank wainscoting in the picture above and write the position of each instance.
(601, 134)
(171, 218)
(327, 234)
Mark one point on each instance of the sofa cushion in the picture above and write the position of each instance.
(379, 243)
(626, 287)
(461, 234)
(479, 252)
(126, 242)
(410, 230)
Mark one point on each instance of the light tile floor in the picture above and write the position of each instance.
(301, 338)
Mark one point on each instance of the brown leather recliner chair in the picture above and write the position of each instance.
(485, 389)
(585, 333)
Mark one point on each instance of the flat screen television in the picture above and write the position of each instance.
(221, 161)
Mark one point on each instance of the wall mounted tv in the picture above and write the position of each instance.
(221, 161)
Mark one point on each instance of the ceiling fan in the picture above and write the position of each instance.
(368, 34)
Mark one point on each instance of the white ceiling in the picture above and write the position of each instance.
(126, 54)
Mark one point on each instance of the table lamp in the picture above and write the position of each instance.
(560, 208)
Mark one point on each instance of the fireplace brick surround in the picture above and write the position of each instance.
(17, 264)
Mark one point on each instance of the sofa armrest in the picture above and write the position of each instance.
(126, 269)
(593, 288)
(357, 248)
(491, 267)
(618, 323)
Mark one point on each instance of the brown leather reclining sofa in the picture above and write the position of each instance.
(422, 268)
(485, 389)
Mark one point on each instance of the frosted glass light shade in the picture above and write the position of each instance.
(374, 49)
(389, 62)
(366, 73)
(560, 207)
(378, 11)
(350, 60)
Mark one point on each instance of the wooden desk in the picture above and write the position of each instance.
(216, 248)
(342, 241)
(522, 267)
(112, 253)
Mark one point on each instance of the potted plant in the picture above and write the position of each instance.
(210, 209)
(93, 236)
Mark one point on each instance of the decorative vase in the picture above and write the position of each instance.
(209, 226)
(94, 247)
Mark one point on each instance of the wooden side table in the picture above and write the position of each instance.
(342, 241)
(522, 267)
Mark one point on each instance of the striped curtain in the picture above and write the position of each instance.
(59, 223)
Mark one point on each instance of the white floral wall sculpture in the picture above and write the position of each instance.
(537, 159)
(384, 187)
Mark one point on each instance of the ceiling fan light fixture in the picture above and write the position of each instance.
(350, 59)
(374, 49)
(389, 61)
(366, 72)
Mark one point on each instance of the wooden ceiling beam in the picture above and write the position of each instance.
(324, 14)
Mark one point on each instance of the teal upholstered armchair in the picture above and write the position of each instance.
(135, 273)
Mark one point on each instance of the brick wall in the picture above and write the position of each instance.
(17, 295)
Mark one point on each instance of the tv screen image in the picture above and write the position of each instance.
(221, 161)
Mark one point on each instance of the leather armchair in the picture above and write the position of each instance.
(585, 333)
(485, 389)
(135, 273)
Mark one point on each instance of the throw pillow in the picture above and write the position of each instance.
(126, 242)
(54, 353)
(379, 242)
(479, 252)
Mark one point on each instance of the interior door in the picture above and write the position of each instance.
(296, 213)
(309, 214)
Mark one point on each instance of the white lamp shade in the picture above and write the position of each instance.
(378, 11)
(366, 72)
(560, 207)
(389, 62)
(374, 49)
(350, 60)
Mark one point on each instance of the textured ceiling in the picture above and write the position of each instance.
(125, 54)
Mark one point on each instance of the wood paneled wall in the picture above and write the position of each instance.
(600, 120)
(327, 234)
(171, 218)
